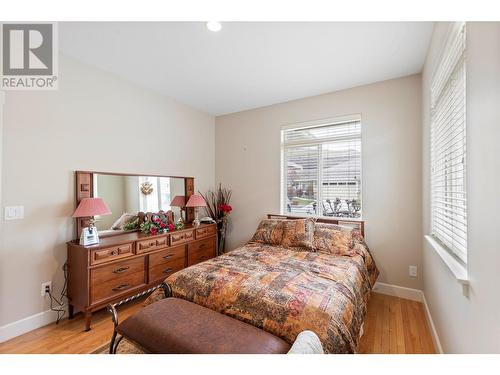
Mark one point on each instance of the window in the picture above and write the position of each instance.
(321, 168)
(448, 147)
(154, 194)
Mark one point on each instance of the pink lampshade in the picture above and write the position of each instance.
(91, 207)
(178, 201)
(196, 201)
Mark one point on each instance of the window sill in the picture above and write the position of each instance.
(458, 269)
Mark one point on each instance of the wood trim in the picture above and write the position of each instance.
(337, 220)
(84, 189)
(132, 174)
(189, 190)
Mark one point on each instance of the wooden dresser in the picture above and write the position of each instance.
(125, 264)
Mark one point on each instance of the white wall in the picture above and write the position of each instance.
(95, 121)
(248, 162)
(470, 324)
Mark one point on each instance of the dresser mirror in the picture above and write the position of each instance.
(128, 194)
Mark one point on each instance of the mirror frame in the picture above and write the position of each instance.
(84, 183)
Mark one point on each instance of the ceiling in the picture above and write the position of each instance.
(248, 64)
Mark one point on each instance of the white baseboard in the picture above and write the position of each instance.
(414, 295)
(30, 323)
(399, 291)
(435, 337)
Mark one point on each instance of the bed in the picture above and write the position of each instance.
(285, 290)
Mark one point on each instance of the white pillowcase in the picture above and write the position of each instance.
(123, 220)
(307, 342)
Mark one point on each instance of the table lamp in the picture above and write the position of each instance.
(179, 201)
(196, 201)
(91, 207)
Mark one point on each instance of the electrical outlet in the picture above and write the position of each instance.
(46, 287)
(412, 271)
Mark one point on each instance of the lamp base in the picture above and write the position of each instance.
(89, 236)
(196, 221)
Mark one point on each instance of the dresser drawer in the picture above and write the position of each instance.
(162, 271)
(181, 237)
(151, 244)
(201, 245)
(200, 256)
(167, 255)
(111, 253)
(205, 232)
(112, 271)
(121, 284)
(200, 251)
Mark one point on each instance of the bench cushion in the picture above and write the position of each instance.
(177, 326)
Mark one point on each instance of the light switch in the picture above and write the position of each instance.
(14, 213)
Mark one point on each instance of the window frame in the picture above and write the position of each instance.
(332, 121)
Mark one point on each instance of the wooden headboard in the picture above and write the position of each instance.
(353, 223)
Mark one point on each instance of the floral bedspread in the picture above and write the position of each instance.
(285, 291)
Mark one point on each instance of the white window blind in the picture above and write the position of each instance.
(448, 147)
(321, 169)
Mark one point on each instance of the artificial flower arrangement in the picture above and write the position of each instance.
(157, 224)
(218, 209)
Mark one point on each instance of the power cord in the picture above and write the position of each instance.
(58, 302)
(60, 311)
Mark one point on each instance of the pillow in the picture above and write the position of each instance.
(123, 220)
(307, 342)
(270, 231)
(298, 233)
(333, 239)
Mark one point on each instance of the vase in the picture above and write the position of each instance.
(221, 236)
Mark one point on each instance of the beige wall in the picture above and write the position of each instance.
(470, 324)
(112, 189)
(248, 162)
(132, 194)
(95, 121)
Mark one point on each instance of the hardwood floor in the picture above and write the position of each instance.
(68, 336)
(392, 325)
(395, 326)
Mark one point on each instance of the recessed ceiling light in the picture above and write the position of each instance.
(214, 26)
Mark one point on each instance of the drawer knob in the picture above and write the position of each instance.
(121, 270)
(202, 245)
(168, 270)
(114, 252)
(120, 287)
(168, 256)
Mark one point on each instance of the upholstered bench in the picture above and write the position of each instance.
(177, 326)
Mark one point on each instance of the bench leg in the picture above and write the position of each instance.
(113, 345)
